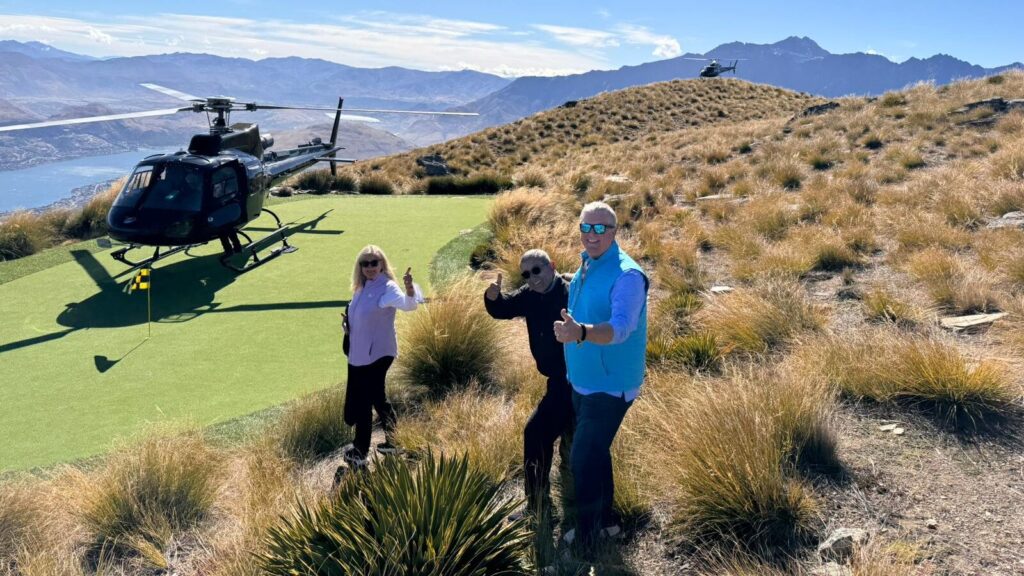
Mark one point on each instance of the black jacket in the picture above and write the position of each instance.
(541, 311)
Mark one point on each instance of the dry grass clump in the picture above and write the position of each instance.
(486, 427)
(888, 366)
(313, 427)
(769, 215)
(25, 233)
(521, 208)
(145, 495)
(22, 234)
(762, 318)
(881, 305)
(451, 341)
(925, 232)
(952, 282)
(727, 453)
(21, 517)
(678, 270)
(1008, 163)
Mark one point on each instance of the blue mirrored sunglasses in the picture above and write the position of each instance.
(595, 228)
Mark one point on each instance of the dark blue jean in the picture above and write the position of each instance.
(598, 417)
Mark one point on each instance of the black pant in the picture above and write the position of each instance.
(365, 392)
(552, 419)
(598, 418)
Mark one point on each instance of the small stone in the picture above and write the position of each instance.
(840, 544)
(721, 289)
(898, 431)
(932, 524)
(963, 323)
(832, 569)
(887, 427)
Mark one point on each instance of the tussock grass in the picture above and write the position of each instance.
(888, 366)
(374, 184)
(146, 494)
(881, 305)
(482, 183)
(486, 427)
(21, 518)
(727, 455)
(522, 208)
(313, 427)
(1008, 164)
(760, 319)
(451, 341)
(953, 283)
(22, 234)
(446, 517)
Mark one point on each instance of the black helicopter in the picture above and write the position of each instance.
(214, 188)
(714, 68)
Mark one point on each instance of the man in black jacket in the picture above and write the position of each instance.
(541, 301)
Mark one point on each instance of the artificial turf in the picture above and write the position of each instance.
(77, 374)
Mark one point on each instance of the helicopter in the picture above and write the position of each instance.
(216, 186)
(714, 68)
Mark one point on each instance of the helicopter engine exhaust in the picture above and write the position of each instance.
(267, 140)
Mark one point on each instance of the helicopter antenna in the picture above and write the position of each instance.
(334, 137)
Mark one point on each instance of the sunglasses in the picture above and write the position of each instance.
(369, 263)
(595, 228)
(531, 272)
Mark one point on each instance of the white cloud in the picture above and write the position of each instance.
(365, 40)
(99, 36)
(582, 37)
(664, 46)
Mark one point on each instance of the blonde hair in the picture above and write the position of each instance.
(358, 280)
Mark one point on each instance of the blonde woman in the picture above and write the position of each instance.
(373, 345)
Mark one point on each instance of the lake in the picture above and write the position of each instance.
(45, 184)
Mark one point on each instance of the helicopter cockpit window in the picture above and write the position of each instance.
(175, 187)
(225, 185)
(135, 186)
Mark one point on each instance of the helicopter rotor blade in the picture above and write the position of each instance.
(255, 106)
(353, 117)
(172, 93)
(89, 119)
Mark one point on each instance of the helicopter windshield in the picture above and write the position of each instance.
(171, 186)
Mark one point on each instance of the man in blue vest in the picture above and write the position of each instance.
(604, 332)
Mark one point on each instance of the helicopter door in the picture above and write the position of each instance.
(226, 199)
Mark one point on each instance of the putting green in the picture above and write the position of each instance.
(76, 370)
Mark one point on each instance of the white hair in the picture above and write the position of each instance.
(535, 254)
(595, 207)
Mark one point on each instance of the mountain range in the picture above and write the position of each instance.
(38, 82)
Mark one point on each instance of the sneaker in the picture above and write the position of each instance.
(355, 458)
(613, 532)
(386, 447)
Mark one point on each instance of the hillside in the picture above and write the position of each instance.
(797, 64)
(809, 364)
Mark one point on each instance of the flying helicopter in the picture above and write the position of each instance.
(216, 186)
(714, 68)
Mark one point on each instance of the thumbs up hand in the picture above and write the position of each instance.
(567, 329)
(494, 290)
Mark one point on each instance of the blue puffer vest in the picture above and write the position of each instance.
(613, 367)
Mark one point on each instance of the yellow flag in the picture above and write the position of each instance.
(141, 281)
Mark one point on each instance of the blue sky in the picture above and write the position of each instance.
(514, 38)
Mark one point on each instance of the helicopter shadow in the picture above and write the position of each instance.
(182, 291)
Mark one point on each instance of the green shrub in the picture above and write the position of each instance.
(444, 518)
(451, 341)
(313, 427)
(375, 185)
(146, 494)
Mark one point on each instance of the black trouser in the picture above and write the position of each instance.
(551, 420)
(365, 392)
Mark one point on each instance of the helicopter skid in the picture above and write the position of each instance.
(252, 250)
(121, 256)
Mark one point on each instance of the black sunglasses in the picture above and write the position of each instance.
(531, 272)
(369, 263)
(596, 228)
